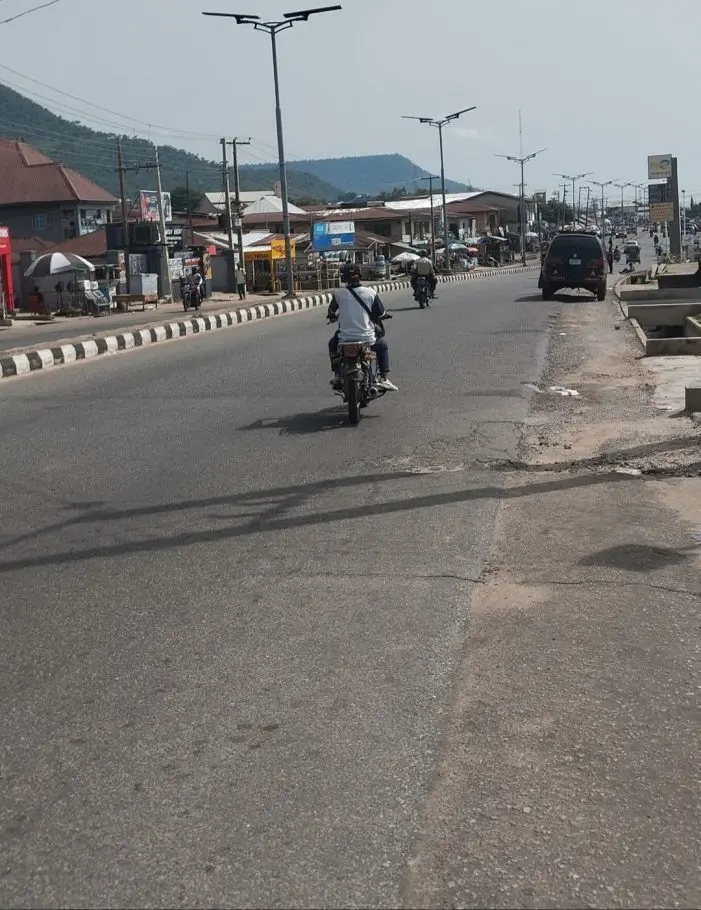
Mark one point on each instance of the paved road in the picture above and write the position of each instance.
(231, 623)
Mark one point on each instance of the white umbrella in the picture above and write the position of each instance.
(57, 263)
(406, 257)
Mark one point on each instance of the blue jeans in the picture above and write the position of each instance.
(380, 347)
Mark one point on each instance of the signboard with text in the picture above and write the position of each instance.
(277, 249)
(148, 206)
(333, 235)
(661, 211)
(659, 167)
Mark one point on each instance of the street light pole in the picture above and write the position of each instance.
(273, 29)
(603, 207)
(574, 178)
(439, 124)
(522, 194)
(621, 187)
(431, 178)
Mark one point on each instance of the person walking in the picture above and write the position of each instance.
(241, 281)
(609, 257)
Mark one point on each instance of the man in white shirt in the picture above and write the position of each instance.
(423, 267)
(360, 312)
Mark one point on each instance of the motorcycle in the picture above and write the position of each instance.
(355, 367)
(422, 294)
(191, 299)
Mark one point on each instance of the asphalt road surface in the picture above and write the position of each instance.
(232, 625)
(231, 622)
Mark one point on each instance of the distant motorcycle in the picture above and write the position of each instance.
(191, 299)
(422, 294)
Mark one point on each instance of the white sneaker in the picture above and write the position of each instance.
(386, 385)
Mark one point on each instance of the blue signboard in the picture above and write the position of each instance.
(328, 236)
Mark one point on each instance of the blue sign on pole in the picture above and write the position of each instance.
(328, 236)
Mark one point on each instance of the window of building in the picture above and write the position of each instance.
(39, 222)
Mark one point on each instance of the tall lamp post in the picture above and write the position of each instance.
(439, 124)
(602, 187)
(273, 28)
(522, 195)
(431, 178)
(621, 187)
(574, 178)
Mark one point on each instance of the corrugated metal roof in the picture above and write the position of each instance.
(424, 202)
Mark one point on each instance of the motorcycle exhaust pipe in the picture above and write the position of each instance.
(373, 392)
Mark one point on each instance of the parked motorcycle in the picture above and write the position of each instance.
(422, 294)
(356, 371)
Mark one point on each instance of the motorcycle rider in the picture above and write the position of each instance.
(359, 312)
(423, 268)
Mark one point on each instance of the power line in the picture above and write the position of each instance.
(26, 12)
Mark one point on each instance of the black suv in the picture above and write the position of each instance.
(574, 260)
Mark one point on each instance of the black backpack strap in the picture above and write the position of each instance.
(379, 328)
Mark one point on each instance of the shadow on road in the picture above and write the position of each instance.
(301, 424)
(271, 517)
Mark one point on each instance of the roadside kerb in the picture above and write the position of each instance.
(48, 357)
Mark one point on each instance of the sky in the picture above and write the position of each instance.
(600, 84)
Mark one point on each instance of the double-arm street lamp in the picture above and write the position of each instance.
(439, 124)
(574, 178)
(603, 186)
(621, 187)
(522, 195)
(273, 28)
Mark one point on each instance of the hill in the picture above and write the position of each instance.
(370, 175)
(93, 154)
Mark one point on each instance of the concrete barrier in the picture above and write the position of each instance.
(649, 314)
(635, 293)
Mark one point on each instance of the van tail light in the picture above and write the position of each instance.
(597, 263)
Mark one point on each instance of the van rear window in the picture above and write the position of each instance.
(569, 246)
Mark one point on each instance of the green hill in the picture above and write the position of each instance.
(93, 154)
(370, 175)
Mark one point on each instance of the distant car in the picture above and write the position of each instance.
(574, 260)
(621, 233)
(632, 251)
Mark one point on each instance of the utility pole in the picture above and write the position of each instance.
(431, 178)
(125, 210)
(564, 204)
(521, 160)
(156, 166)
(189, 203)
(230, 270)
(235, 143)
(586, 214)
(439, 124)
(168, 287)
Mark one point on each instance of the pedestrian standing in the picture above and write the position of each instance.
(609, 257)
(241, 281)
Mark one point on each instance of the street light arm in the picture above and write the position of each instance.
(460, 113)
(241, 18)
(533, 154)
(303, 15)
(420, 119)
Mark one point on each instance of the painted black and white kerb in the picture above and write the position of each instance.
(44, 358)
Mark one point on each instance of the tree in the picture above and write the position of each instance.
(178, 199)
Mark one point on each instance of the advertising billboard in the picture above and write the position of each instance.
(148, 206)
(657, 192)
(329, 236)
(277, 249)
(659, 167)
(661, 211)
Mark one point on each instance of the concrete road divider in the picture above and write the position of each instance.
(48, 357)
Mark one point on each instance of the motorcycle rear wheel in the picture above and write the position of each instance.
(354, 403)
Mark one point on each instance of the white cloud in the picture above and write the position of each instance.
(474, 134)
